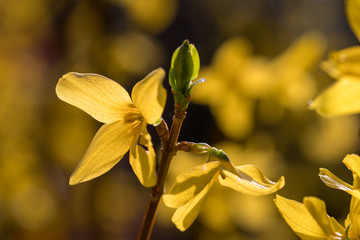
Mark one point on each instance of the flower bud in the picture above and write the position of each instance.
(218, 155)
(343, 62)
(200, 148)
(185, 65)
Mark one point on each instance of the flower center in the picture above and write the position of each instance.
(133, 115)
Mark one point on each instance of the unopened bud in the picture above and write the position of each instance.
(343, 63)
(218, 155)
(185, 65)
(200, 148)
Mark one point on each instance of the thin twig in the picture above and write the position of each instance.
(163, 132)
(167, 153)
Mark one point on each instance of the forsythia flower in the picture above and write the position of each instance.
(343, 97)
(191, 188)
(310, 220)
(125, 121)
(236, 80)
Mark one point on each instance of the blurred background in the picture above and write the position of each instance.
(261, 60)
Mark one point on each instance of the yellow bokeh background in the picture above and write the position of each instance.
(261, 60)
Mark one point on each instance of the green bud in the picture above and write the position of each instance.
(185, 65)
(218, 155)
(226, 164)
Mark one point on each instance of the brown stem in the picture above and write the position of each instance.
(168, 151)
(184, 146)
(163, 132)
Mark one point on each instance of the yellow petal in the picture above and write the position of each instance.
(337, 227)
(340, 99)
(353, 219)
(352, 161)
(101, 97)
(352, 8)
(149, 95)
(343, 62)
(143, 159)
(299, 219)
(257, 186)
(107, 148)
(190, 183)
(332, 181)
(317, 209)
(356, 181)
(185, 215)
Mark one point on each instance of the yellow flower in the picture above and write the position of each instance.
(236, 80)
(191, 188)
(352, 221)
(342, 97)
(310, 220)
(125, 121)
(343, 63)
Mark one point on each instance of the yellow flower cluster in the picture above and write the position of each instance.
(343, 96)
(240, 85)
(125, 120)
(309, 220)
